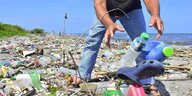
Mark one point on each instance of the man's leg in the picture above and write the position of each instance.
(134, 26)
(91, 49)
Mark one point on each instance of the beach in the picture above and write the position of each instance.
(182, 57)
(56, 56)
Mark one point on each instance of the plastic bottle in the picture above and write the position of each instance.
(135, 48)
(148, 47)
(112, 93)
(160, 52)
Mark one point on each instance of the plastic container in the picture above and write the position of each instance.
(112, 93)
(135, 90)
(31, 78)
(35, 79)
(150, 44)
(134, 50)
(160, 52)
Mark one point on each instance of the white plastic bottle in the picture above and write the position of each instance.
(24, 77)
(134, 50)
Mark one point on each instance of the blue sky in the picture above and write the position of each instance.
(49, 15)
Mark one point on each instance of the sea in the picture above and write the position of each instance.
(169, 38)
(184, 39)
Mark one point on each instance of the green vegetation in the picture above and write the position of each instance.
(37, 31)
(53, 90)
(7, 30)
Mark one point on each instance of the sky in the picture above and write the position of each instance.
(49, 15)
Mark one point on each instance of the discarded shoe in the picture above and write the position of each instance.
(144, 69)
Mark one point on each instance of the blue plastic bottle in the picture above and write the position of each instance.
(160, 52)
(149, 45)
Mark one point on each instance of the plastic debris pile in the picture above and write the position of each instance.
(42, 65)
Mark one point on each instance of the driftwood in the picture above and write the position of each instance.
(178, 67)
(105, 73)
(166, 67)
(165, 79)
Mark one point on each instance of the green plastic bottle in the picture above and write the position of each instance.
(35, 79)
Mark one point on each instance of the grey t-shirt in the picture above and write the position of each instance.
(125, 5)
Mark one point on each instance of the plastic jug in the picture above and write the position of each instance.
(160, 52)
(149, 45)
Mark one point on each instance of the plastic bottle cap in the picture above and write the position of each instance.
(168, 51)
(144, 36)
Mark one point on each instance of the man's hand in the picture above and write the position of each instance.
(158, 24)
(111, 27)
(110, 32)
(153, 7)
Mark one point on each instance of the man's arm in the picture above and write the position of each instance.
(102, 14)
(153, 7)
(101, 10)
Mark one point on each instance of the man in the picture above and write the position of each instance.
(130, 15)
